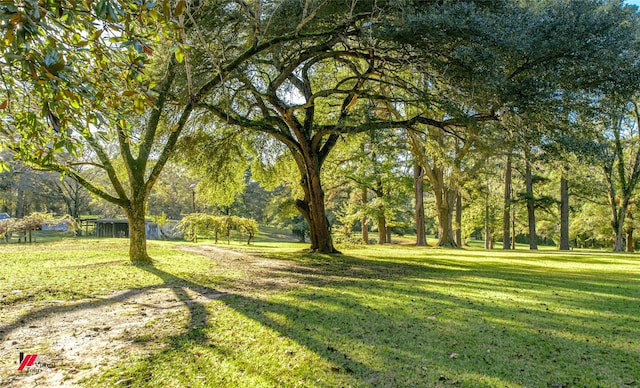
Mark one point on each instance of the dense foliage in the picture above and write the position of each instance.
(283, 92)
(215, 226)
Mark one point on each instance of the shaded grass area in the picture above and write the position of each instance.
(375, 316)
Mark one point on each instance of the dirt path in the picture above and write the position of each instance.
(80, 338)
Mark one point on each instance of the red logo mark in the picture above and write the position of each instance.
(29, 360)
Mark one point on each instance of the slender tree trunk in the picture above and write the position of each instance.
(70, 192)
(531, 212)
(458, 230)
(365, 200)
(627, 183)
(388, 235)
(513, 229)
(69, 206)
(445, 196)
(382, 220)
(421, 238)
(564, 214)
(365, 227)
(75, 213)
(506, 215)
(20, 201)
(487, 228)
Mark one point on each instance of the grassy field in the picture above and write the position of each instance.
(375, 316)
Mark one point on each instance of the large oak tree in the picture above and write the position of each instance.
(308, 95)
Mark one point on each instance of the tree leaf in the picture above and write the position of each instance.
(100, 9)
(179, 54)
(139, 105)
(180, 8)
(166, 9)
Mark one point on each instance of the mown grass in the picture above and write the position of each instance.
(80, 268)
(374, 316)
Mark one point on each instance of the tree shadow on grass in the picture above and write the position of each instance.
(430, 323)
(191, 355)
(179, 358)
(32, 321)
(377, 322)
(177, 285)
(31, 316)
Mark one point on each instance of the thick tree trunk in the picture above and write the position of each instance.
(458, 230)
(531, 212)
(619, 243)
(618, 215)
(421, 238)
(382, 230)
(628, 230)
(312, 209)
(506, 214)
(564, 214)
(445, 199)
(630, 246)
(365, 227)
(137, 233)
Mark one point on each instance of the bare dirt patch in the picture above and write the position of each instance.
(77, 339)
(80, 338)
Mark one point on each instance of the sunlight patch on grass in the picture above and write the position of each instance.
(375, 316)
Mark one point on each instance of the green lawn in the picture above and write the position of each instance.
(375, 316)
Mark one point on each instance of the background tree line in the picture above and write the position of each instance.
(354, 109)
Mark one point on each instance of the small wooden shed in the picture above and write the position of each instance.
(116, 227)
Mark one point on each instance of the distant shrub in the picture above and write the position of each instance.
(215, 226)
(25, 226)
